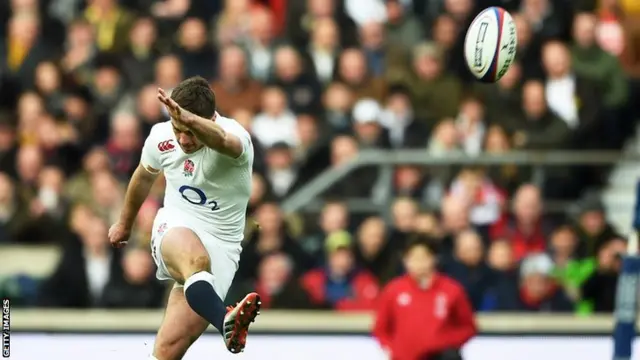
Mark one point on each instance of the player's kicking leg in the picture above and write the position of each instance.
(188, 262)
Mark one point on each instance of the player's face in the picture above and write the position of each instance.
(186, 139)
(419, 262)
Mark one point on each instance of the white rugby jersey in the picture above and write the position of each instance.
(207, 189)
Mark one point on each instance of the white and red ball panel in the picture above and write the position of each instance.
(490, 44)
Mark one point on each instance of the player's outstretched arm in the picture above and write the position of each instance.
(137, 192)
(207, 131)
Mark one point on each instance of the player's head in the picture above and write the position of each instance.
(194, 95)
(420, 256)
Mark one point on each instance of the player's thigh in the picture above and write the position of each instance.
(180, 327)
(183, 253)
(224, 263)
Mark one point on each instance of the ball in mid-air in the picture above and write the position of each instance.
(490, 44)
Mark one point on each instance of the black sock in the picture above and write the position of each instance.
(204, 300)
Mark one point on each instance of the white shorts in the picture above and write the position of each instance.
(224, 255)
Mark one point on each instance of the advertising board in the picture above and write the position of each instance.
(33, 346)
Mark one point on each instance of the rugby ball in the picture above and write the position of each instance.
(490, 44)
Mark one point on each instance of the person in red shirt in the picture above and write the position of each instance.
(423, 315)
(340, 284)
(527, 230)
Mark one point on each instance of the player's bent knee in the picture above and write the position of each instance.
(197, 264)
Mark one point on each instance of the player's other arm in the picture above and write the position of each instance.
(137, 191)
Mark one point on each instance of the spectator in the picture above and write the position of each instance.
(48, 83)
(354, 72)
(506, 177)
(301, 15)
(341, 285)
(282, 174)
(107, 195)
(142, 53)
(366, 125)
(14, 213)
(301, 86)
(436, 94)
(148, 110)
(593, 63)
(537, 291)
(78, 188)
(380, 56)
(124, 145)
(334, 217)
(471, 125)
(598, 291)
(359, 183)
(273, 237)
(276, 123)
(404, 325)
(540, 129)
(455, 220)
(107, 89)
(168, 72)
(23, 48)
(426, 224)
(467, 267)
(398, 118)
(500, 258)
(323, 51)
(485, 200)
(444, 139)
(232, 25)
(85, 269)
(338, 100)
(547, 20)
(138, 287)
(197, 56)
(8, 144)
(261, 45)
(402, 27)
(578, 106)
(374, 250)
(80, 51)
(526, 230)
(111, 34)
(234, 88)
(277, 285)
(529, 47)
(571, 269)
(445, 33)
(410, 182)
(592, 227)
(503, 98)
(403, 214)
(312, 153)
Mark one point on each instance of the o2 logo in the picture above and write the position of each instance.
(196, 196)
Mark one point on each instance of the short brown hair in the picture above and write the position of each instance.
(195, 95)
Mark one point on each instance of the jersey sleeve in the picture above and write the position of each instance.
(150, 157)
(236, 129)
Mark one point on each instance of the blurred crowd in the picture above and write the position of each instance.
(315, 82)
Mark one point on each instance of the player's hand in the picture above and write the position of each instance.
(119, 235)
(172, 107)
